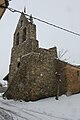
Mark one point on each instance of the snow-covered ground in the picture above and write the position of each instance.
(66, 108)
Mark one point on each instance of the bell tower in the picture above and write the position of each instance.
(24, 42)
(25, 30)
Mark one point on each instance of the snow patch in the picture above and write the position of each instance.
(66, 108)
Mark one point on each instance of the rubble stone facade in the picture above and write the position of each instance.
(70, 78)
(32, 70)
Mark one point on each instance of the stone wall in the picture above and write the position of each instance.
(70, 78)
(60, 67)
(18, 52)
(35, 78)
(73, 79)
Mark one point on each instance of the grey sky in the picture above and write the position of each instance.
(64, 13)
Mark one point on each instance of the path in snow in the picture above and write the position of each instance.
(4, 115)
(10, 111)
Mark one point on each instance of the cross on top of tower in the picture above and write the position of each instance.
(24, 9)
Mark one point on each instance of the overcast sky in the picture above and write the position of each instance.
(65, 13)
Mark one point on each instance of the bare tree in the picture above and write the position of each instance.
(61, 55)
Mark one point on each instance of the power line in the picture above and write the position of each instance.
(57, 26)
(43, 21)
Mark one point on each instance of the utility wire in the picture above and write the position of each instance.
(69, 31)
(43, 21)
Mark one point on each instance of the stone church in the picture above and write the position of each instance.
(34, 72)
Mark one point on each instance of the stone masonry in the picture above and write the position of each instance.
(32, 70)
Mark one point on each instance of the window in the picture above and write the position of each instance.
(21, 23)
(18, 64)
(17, 39)
(78, 73)
(24, 34)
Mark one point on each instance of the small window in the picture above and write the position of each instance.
(18, 64)
(78, 73)
(21, 23)
(24, 34)
(17, 39)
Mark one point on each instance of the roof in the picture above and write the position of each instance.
(66, 63)
(6, 77)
